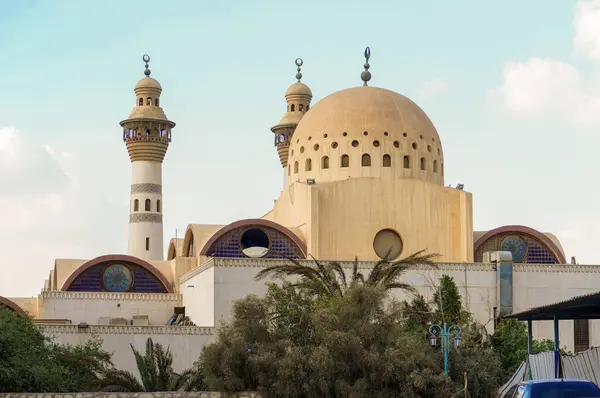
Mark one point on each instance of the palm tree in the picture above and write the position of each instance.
(156, 373)
(329, 279)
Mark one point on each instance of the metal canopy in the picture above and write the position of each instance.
(580, 307)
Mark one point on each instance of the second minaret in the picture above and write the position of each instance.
(147, 134)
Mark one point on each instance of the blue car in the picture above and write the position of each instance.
(557, 388)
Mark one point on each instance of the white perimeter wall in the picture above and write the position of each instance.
(198, 290)
(185, 342)
(90, 306)
(533, 285)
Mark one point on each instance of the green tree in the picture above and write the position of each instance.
(510, 343)
(155, 369)
(31, 362)
(328, 279)
(356, 345)
(448, 302)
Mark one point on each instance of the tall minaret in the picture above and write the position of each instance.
(298, 97)
(147, 134)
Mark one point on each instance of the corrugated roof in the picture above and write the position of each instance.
(586, 306)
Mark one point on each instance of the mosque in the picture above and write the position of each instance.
(363, 176)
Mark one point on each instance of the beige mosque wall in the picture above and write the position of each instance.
(185, 342)
(96, 308)
(341, 218)
(198, 289)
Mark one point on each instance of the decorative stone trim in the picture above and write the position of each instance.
(261, 263)
(189, 275)
(118, 329)
(557, 268)
(62, 295)
(195, 394)
(146, 187)
(145, 217)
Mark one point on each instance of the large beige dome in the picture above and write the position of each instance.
(365, 132)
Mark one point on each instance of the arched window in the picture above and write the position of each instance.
(156, 102)
(308, 165)
(366, 160)
(147, 205)
(296, 167)
(136, 205)
(435, 166)
(423, 164)
(300, 107)
(406, 162)
(148, 101)
(289, 169)
(387, 161)
(325, 162)
(307, 108)
(141, 102)
(293, 107)
(158, 205)
(345, 161)
(147, 132)
(442, 165)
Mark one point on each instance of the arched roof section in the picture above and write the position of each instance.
(196, 235)
(152, 280)
(490, 241)
(175, 248)
(225, 242)
(11, 306)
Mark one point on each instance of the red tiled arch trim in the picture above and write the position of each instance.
(525, 230)
(250, 222)
(4, 302)
(116, 258)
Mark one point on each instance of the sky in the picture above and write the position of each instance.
(513, 88)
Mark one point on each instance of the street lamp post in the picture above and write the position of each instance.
(445, 333)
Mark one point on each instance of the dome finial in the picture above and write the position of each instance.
(146, 59)
(299, 64)
(366, 75)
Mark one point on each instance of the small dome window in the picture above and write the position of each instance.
(156, 102)
(308, 166)
(354, 143)
(396, 144)
(345, 161)
(141, 102)
(366, 160)
(301, 108)
(148, 101)
(334, 144)
(387, 161)
(414, 145)
(376, 143)
(325, 162)
(406, 162)
(423, 164)
(296, 167)
(301, 149)
(292, 108)
(435, 166)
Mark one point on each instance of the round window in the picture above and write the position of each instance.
(117, 278)
(388, 244)
(255, 243)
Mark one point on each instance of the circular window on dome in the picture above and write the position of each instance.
(388, 244)
(396, 144)
(516, 245)
(354, 143)
(375, 143)
(117, 278)
(414, 145)
(255, 243)
(301, 149)
(334, 144)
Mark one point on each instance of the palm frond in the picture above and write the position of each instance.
(115, 380)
